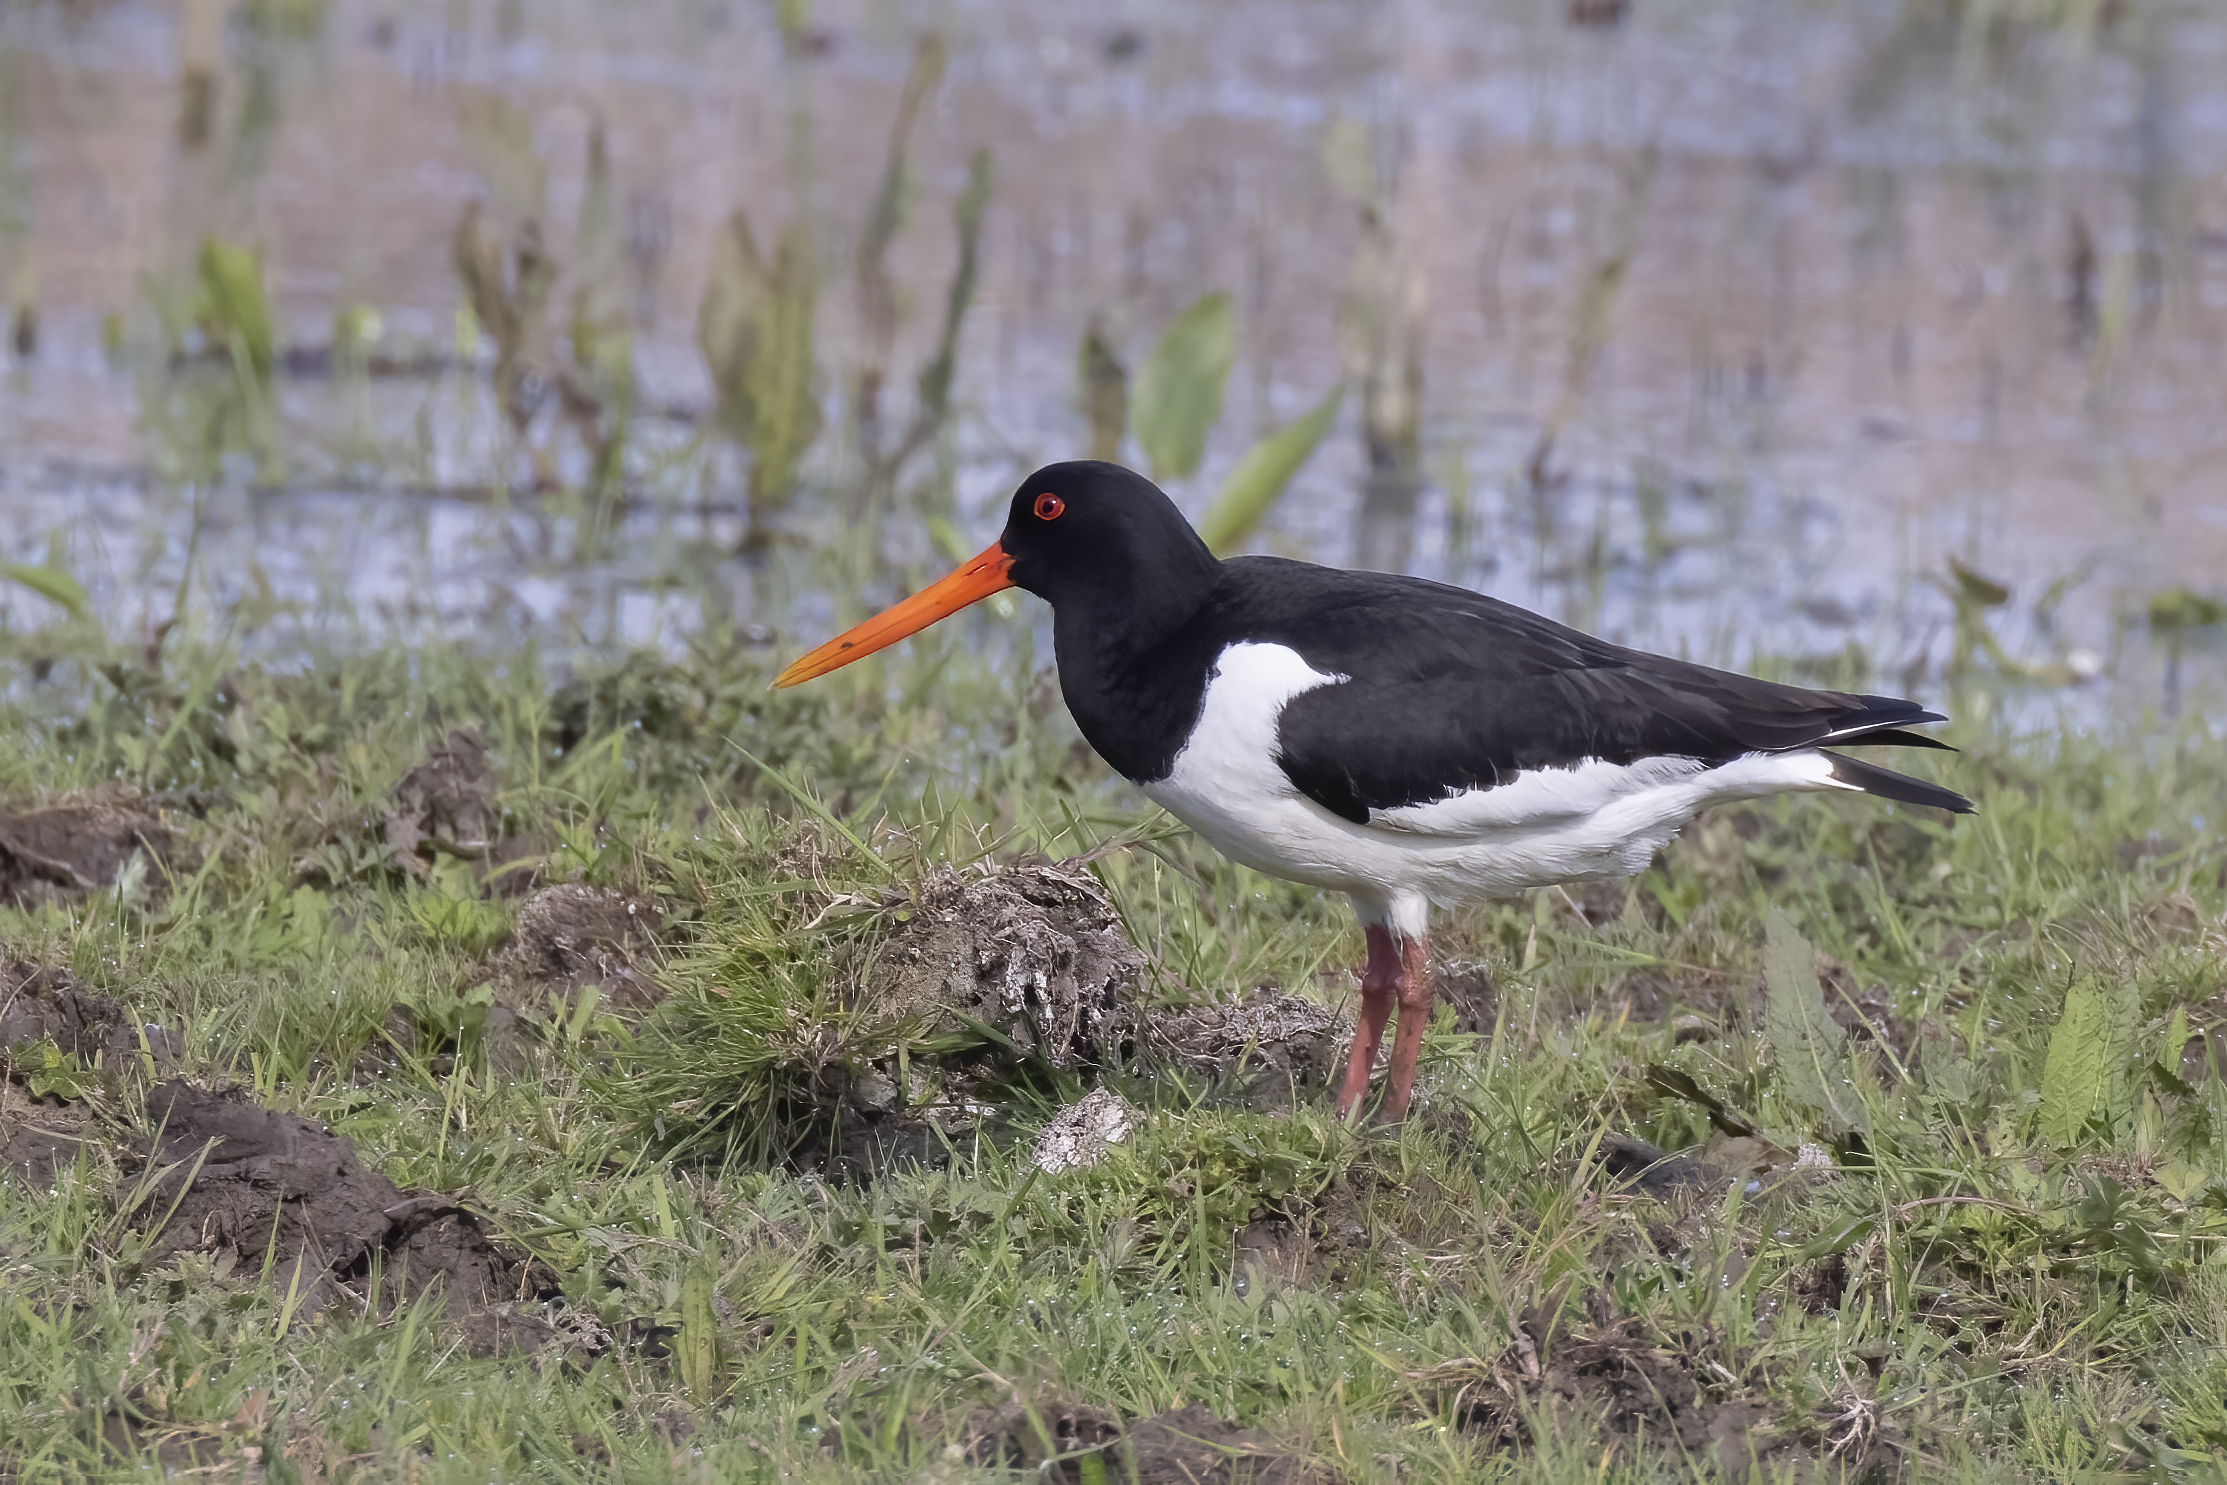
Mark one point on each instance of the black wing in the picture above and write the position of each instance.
(1450, 690)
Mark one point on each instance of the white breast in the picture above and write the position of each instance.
(1596, 819)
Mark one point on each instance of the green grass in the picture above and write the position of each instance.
(2012, 1265)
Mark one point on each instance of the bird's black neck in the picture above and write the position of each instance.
(1133, 661)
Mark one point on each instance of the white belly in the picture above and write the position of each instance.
(1541, 827)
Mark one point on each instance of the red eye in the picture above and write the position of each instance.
(1048, 507)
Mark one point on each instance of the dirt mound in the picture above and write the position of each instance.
(1189, 1446)
(76, 844)
(1034, 953)
(55, 1037)
(445, 803)
(1269, 1031)
(243, 1181)
(574, 935)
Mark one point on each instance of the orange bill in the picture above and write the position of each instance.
(972, 583)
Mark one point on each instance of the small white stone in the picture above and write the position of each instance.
(1080, 1134)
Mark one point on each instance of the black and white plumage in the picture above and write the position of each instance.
(1405, 742)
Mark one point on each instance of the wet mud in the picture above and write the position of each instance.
(288, 1204)
(93, 840)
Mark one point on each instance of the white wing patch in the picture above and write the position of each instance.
(1548, 798)
(1540, 797)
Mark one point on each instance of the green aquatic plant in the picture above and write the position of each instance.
(756, 331)
(2173, 614)
(208, 401)
(1102, 387)
(1178, 394)
(510, 280)
(1174, 406)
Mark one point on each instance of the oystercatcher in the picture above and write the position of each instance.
(1404, 742)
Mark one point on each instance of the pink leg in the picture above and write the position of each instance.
(1416, 995)
(1379, 984)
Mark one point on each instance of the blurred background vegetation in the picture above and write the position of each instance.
(1879, 338)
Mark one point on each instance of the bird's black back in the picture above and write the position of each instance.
(1446, 690)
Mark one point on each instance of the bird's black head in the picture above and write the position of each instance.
(1088, 535)
(1113, 555)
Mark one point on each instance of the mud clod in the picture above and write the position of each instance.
(37, 1138)
(77, 844)
(1274, 1249)
(1189, 1446)
(1035, 953)
(247, 1181)
(446, 802)
(574, 935)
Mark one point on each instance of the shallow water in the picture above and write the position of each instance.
(1813, 297)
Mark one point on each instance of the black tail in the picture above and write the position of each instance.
(1888, 784)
